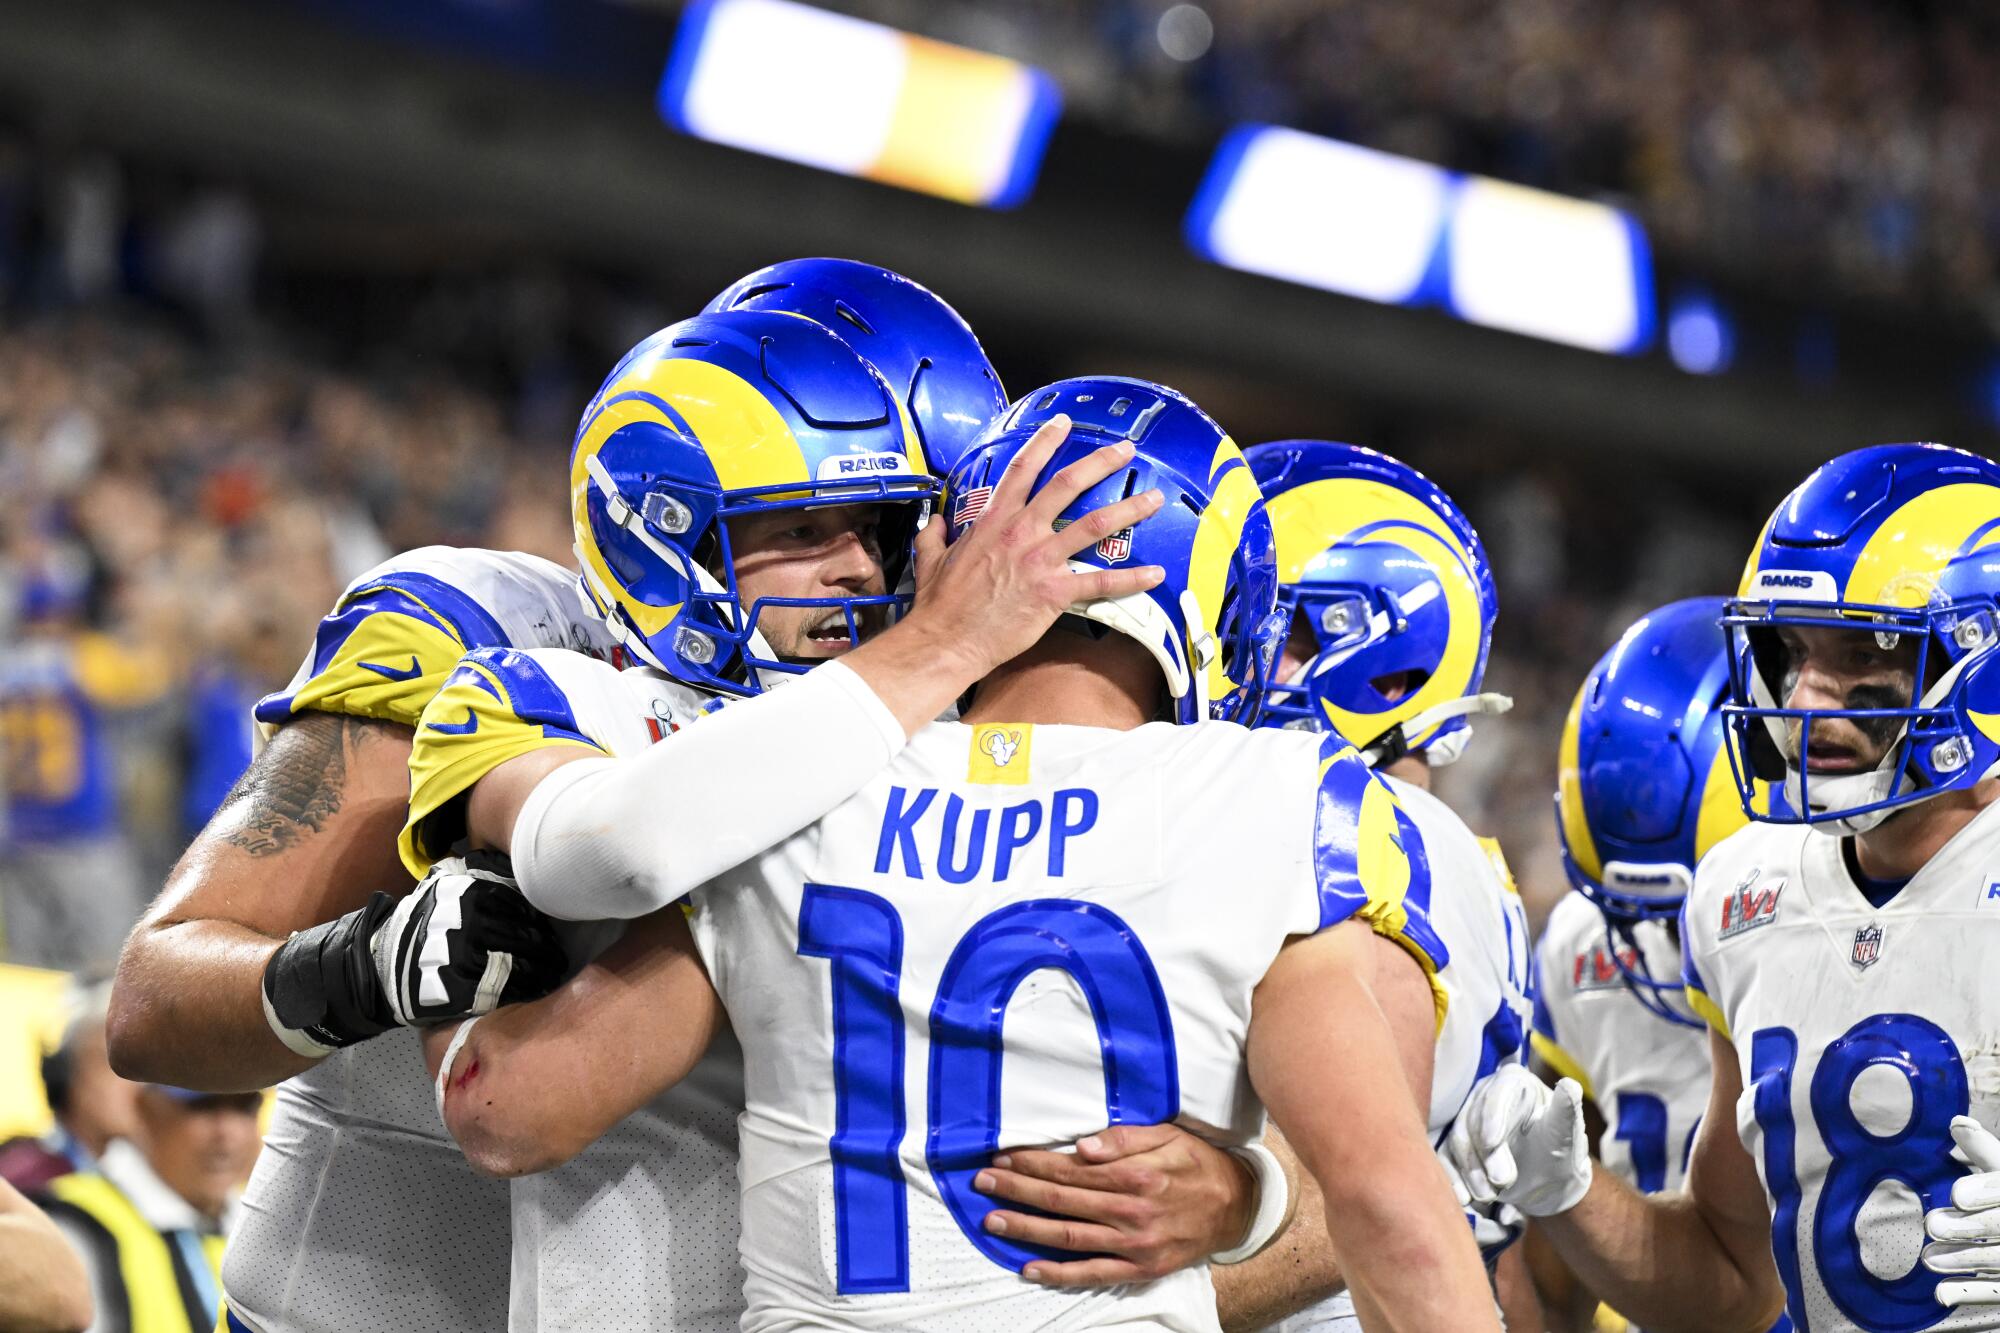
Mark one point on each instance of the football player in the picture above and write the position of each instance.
(360, 1214)
(1832, 946)
(1389, 605)
(718, 434)
(1644, 790)
(1031, 887)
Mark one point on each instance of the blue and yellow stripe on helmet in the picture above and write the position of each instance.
(1209, 623)
(718, 417)
(1901, 540)
(1644, 786)
(1219, 535)
(1392, 582)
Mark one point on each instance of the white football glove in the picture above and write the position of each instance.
(1516, 1141)
(1965, 1238)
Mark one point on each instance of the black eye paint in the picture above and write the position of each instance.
(1880, 730)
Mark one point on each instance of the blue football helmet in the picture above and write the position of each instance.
(1212, 623)
(926, 352)
(1903, 540)
(714, 418)
(1390, 579)
(1644, 787)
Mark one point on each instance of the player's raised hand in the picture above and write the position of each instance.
(1141, 1200)
(1520, 1142)
(1002, 584)
(1965, 1237)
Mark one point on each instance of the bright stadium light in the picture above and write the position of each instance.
(845, 95)
(1320, 212)
(1385, 228)
(1549, 266)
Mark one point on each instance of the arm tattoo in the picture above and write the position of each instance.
(295, 785)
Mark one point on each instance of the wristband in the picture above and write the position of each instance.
(321, 990)
(295, 1040)
(1274, 1202)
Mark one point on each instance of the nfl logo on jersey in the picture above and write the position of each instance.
(1867, 945)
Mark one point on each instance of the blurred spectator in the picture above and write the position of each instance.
(70, 882)
(150, 1221)
(43, 1285)
(92, 1105)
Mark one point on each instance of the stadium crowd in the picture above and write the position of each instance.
(1771, 142)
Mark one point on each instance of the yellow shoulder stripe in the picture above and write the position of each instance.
(1560, 1060)
(469, 729)
(1711, 1013)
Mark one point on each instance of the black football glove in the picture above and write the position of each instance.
(461, 943)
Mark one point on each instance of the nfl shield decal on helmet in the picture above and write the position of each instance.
(1867, 945)
(1115, 547)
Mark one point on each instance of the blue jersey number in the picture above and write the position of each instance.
(1642, 1126)
(1918, 1155)
(861, 935)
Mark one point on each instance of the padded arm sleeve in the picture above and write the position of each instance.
(618, 838)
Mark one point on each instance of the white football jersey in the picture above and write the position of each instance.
(1649, 1077)
(361, 1212)
(1860, 1032)
(1477, 914)
(1012, 937)
(638, 1231)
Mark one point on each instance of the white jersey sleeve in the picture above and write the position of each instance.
(499, 703)
(398, 630)
(361, 1212)
(638, 1230)
(1480, 923)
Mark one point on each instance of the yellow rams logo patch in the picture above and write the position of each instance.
(1000, 753)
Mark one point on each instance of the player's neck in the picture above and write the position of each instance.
(1070, 680)
(1903, 844)
(1411, 768)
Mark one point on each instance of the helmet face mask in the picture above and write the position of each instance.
(1212, 624)
(1386, 577)
(712, 421)
(1927, 743)
(1900, 543)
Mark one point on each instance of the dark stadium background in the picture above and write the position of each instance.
(288, 286)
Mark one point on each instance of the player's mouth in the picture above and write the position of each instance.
(828, 638)
(1831, 757)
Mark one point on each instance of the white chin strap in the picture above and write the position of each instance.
(1139, 617)
(1395, 742)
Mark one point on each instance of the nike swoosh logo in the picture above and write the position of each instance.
(465, 728)
(394, 673)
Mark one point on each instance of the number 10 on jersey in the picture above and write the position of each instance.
(861, 935)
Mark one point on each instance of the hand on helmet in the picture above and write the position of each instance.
(1002, 585)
